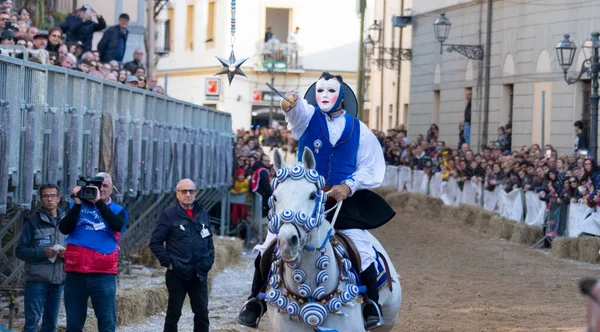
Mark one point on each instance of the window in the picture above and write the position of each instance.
(169, 28)
(210, 23)
(435, 118)
(189, 35)
(508, 105)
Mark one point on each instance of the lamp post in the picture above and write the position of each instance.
(371, 45)
(565, 51)
(441, 28)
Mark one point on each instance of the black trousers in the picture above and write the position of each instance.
(198, 293)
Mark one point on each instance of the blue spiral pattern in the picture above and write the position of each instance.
(311, 223)
(274, 184)
(334, 305)
(299, 276)
(301, 218)
(293, 309)
(297, 172)
(321, 182)
(271, 202)
(340, 251)
(345, 297)
(353, 290)
(319, 293)
(273, 295)
(287, 215)
(283, 302)
(313, 314)
(322, 277)
(274, 282)
(323, 262)
(271, 213)
(312, 175)
(282, 174)
(274, 225)
(304, 290)
(347, 264)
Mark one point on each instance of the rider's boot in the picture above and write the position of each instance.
(371, 310)
(254, 308)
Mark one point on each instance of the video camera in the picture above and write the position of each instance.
(88, 186)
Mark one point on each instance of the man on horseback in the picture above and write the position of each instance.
(350, 158)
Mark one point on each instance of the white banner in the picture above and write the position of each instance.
(490, 200)
(435, 185)
(577, 214)
(391, 176)
(420, 182)
(451, 193)
(591, 224)
(511, 205)
(404, 178)
(536, 210)
(471, 194)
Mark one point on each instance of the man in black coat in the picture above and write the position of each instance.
(189, 255)
(261, 182)
(114, 41)
(80, 27)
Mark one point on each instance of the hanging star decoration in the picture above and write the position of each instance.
(231, 67)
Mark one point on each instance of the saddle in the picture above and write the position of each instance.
(384, 276)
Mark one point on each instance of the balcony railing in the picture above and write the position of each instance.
(278, 56)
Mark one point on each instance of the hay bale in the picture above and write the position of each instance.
(469, 214)
(525, 234)
(501, 227)
(481, 221)
(384, 191)
(397, 200)
(588, 249)
(574, 248)
(434, 206)
(561, 247)
(131, 305)
(157, 300)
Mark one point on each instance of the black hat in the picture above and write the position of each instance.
(7, 34)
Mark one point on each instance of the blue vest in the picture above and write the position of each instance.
(89, 232)
(335, 163)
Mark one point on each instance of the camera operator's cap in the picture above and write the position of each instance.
(85, 8)
(41, 35)
(7, 34)
(131, 79)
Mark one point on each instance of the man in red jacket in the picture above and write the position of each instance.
(93, 229)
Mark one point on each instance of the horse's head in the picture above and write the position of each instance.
(297, 206)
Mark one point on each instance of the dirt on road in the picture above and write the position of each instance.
(455, 279)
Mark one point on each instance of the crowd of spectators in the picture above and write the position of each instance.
(69, 45)
(555, 178)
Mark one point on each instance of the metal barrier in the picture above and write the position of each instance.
(57, 125)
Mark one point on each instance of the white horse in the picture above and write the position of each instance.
(301, 268)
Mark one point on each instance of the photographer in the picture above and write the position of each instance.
(80, 27)
(4, 21)
(93, 225)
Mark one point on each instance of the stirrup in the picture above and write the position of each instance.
(262, 312)
(379, 323)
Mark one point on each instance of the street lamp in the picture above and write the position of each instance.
(565, 51)
(397, 54)
(441, 28)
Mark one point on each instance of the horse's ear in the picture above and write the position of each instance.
(278, 158)
(308, 159)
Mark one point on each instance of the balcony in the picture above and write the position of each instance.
(279, 57)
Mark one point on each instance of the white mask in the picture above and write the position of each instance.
(327, 93)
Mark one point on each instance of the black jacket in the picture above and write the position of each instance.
(264, 187)
(40, 231)
(109, 44)
(468, 112)
(132, 66)
(186, 249)
(77, 30)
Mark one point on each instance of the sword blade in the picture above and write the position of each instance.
(279, 93)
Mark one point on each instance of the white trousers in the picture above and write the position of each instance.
(359, 237)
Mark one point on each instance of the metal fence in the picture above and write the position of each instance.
(57, 125)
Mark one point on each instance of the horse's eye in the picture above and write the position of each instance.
(274, 198)
(313, 195)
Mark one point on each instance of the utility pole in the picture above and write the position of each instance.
(488, 56)
(149, 37)
(272, 73)
(361, 61)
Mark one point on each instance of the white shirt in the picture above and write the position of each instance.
(370, 164)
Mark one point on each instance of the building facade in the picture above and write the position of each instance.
(387, 80)
(196, 31)
(527, 87)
